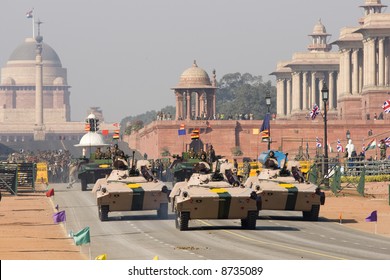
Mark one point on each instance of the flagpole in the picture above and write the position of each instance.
(375, 227)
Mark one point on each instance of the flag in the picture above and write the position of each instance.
(57, 207)
(116, 124)
(371, 145)
(181, 130)
(265, 127)
(255, 131)
(387, 141)
(87, 127)
(195, 134)
(386, 106)
(363, 148)
(50, 193)
(318, 143)
(314, 112)
(339, 148)
(116, 134)
(105, 132)
(373, 217)
(29, 14)
(101, 257)
(81, 237)
(59, 217)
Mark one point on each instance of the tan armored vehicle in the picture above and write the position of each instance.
(131, 190)
(217, 195)
(286, 189)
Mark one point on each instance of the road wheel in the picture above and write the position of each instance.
(84, 184)
(251, 220)
(103, 213)
(162, 213)
(182, 219)
(313, 214)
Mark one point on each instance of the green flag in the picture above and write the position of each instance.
(82, 237)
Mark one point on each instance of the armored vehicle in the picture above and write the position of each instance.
(182, 167)
(134, 189)
(90, 172)
(286, 189)
(217, 195)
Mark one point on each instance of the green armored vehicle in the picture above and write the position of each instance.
(134, 189)
(90, 172)
(285, 188)
(182, 167)
(217, 195)
(98, 165)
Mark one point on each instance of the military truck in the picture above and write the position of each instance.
(214, 195)
(280, 190)
(134, 189)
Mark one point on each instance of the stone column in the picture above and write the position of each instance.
(381, 62)
(288, 95)
(371, 62)
(365, 64)
(331, 91)
(39, 87)
(355, 72)
(305, 104)
(178, 106)
(197, 110)
(296, 93)
(188, 105)
(280, 102)
(313, 89)
(347, 71)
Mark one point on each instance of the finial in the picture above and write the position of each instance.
(39, 38)
(195, 65)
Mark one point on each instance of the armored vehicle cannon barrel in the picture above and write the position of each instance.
(131, 190)
(211, 196)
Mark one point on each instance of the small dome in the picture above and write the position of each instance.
(194, 77)
(9, 81)
(27, 51)
(319, 29)
(92, 139)
(59, 81)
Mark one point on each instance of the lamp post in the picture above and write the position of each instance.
(325, 98)
(348, 135)
(268, 102)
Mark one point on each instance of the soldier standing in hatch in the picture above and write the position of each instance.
(246, 170)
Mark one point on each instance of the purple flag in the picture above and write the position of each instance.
(373, 217)
(59, 217)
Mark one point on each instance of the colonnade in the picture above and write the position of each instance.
(195, 104)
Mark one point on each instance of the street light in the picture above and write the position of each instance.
(268, 102)
(325, 98)
(348, 135)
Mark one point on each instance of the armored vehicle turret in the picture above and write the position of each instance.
(134, 189)
(214, 195)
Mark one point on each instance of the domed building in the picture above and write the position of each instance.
(18, 86)
(195, 94)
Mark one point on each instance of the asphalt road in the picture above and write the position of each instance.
(139, 235)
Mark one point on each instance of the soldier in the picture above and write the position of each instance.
(98, 153)
(202, 155)
(191, 153)
(382, 148)
(116, 152)
(107, 154)
(246, 169)
(211, 154)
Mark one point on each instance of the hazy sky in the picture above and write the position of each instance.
(124, 56)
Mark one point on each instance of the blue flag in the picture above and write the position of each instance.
(181, 131)
(265, 127)
(59, 217)
(373, 217)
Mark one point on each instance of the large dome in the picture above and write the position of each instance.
(194, 77)
(27, 51)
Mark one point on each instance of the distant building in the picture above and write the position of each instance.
(358, 75)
